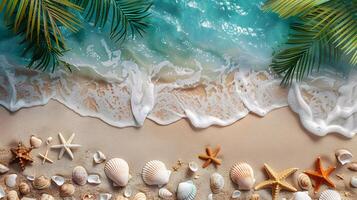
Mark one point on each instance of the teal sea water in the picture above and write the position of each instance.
(205, 60)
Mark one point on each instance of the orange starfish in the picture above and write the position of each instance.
(22, 155)
(210, 157)
(320, 175)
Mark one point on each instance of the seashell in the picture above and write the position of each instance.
(242, 174)
(255, 196)
(67, 190)
(10, 180)
(128, 192)
(30, 177)
(35, 141)
(79, 175)
(105, 196)
(156, 173)
(354, 181)
(41, 183)
(186, 191)
(58, 180)
(3, 169)
(343, 156)
(99, 157)
(210, 197)
(49, 140)
(140, 196)
(216, 183)
(304, 181)
(24, 188)
(193, 166)
(2, 193)
(301, 196)
(12, 195)
(117, 170)
(121, 198)
(352, 166)
(46, 197)
(27, 198)
(165, 193)
(330, 195)
(94, 179)
(88, 197)
(236, 194)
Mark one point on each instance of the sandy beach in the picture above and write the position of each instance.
(277, 139)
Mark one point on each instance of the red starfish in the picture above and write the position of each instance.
(210, 157)
(321, 176)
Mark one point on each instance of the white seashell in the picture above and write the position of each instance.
(30, 177)
(3, 169)
(2, 193)
(343, 156)
(255, 196)
(304, 181)
(330, 195)
(140, 196)
(352, 166)
(99, 157)
(210, 197)
(105, 196)
(354, 181)
(165, 193)
(216, 183)
(12, 195)
(24, 188)
(94, 179)
(193, 166)
(49, 140)
(156, 173)
(186, 191)
(67, 190)
(117, 170)
(58, 180)
(35, 141)
(236, 194)
(242, 174)
(128, 192)
(10, 180)
(41, 183)
(79, 175)
(46, 197)
(301, 196)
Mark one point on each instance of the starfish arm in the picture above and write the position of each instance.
(69, 152)
(216, 151)
(69, 141)
(317, 185)
(216, 161)
(203, 157)
(275, 192)
(330, 183)
(62, 140)
(264, 184)
(209, 151)
(330, 170)
(58, 146)
(287, 186)
(271, 173)
(312, 174)
(60, 155)
(287, 173)
(73, 145)
(318, 165)
(206, 163)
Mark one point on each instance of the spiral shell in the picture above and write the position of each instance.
(12, 195)
(301, 196)
(46, 197)
(67, 190)
(117, 170)
(186, 191)
(41, 183)
(140, 196)
(242, 174)
(79, 175)
(165, 193)
(304, 181)
(24, 188)
(156, 173)
(216, 183)
(330, 195)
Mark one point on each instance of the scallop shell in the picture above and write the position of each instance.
(35, 141)
(94, 179)
(186, 191)
(3, 169)
(255, 196)
(41, 183)
(330, 195)
(304, 181)
(155, 173)
(24, 188)
(242, 174)
(99, 157)
(58, 180)
(165, 193)
(354, 181)
(105, 196)
(2, 193)
(67, 190)
(140, 196)
(343, 156)
(301, 196)
(10, 180)
(46, 197)
(236, 194)
(193, 166)
(12, 195)
(79, 175)
(352, 166)
(117, 170)
(216, 183)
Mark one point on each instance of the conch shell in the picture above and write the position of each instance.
(343, 156)
(117, 170)
(242, 174)
(216, 183)
(156, 173)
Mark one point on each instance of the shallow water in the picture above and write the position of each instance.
(203, 60)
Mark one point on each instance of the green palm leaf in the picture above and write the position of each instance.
(289, 8)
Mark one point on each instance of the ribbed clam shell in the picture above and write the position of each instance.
(24, 188)
(41, 183)
(12, 195)
(301, 196)
(242, 174)
(304, 181)
(343, 156)
(330, 195)
(186, 191)
(155, 173)
(67, 190)
(47, 197)
(140, 196)
(165, 193)
(216, 183)
(117, 170)
(79, 175)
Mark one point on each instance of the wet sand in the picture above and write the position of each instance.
(277, 139)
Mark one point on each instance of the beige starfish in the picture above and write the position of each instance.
(45, 157)
(66, 146)
(277, 181)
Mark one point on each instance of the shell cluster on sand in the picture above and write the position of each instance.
(155, 173)
(242, 174)
(117, 170)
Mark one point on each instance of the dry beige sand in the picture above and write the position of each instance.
(277, 139)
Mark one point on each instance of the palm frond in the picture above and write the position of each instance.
(126, 16)
(289, 8)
